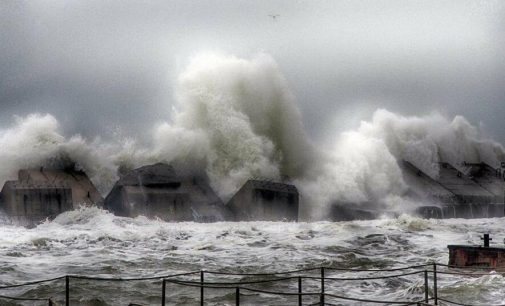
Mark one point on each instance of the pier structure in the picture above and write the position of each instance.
(480, 256)
(472, 191)
(83, 190)
(41, 194)
(469, 190)
(157, 191)
(262, 200)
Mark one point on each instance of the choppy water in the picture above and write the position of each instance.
(93, 242)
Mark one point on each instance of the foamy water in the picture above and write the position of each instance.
(237, 118)
(93, 242)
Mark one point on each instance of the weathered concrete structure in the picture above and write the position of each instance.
(422, 186)
(466, 191)
(260, 200)
(26, 204)
(156, 191)
(476, 256)
(358, 211)
(83, 190)
(462, 256)
(488, 178)
(40, 194)
(471, 191)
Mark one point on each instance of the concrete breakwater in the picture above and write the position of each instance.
(465, 191)
(155, 191)
(159, 191)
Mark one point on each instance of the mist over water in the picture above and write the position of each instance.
(235, 119)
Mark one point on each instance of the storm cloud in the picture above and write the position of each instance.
(108, 67)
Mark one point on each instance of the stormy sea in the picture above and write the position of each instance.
(92, 242)
(236, 119)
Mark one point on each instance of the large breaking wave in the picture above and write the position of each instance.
(237, 118)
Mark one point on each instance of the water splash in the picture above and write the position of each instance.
(237, 118)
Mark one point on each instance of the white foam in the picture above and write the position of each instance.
(237, 118)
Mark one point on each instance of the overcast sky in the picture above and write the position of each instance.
(103, 66)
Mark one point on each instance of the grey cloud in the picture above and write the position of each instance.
(97, 65)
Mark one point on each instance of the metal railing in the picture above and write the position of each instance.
(240, 287)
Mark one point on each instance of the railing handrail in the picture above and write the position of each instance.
(302, 277)
(199, 285)
(259, 274)
(363, 278)
(380, 270)
(241, 288)
(24, 299)
(98, 278)
(273, 280)
(110, 279)
(32, 283)
(317, 268)
(239, 285)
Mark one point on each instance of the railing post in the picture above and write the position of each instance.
(426, 286)
(163, 291)
(322, 286)
(237, 296)
(67, 290)
(202, 279)
(300, 291)
(435, 289)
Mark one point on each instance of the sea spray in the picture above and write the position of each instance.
(36, 141)
(427, 140)
(246, 113)
(237, 118)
